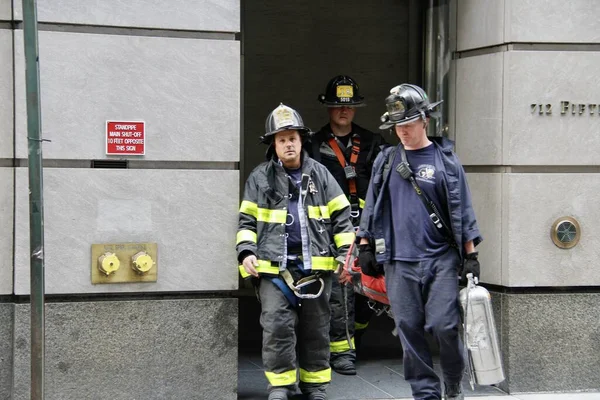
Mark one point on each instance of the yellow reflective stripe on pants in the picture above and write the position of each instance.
(263, 267)
(271, 216)
(323, 263)
(318, 212)
(248, 207)
(341, 346)
(338, 203)
(245, 235)
(322, 376)
(344, 239)
(361, 203)
(358, 326)
(282, 379)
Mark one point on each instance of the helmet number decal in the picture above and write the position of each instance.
(345, 93)
(396, 107)
(283, 117)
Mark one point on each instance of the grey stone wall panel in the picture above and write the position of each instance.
(480, 23)
(5, 10)
(146, 349)
(198, 15)
(534, 202)
(551, 342)
(486, 190)
(186, 90)
(536, 77)
(554, 21)
(190, 214)
(6, 350)
(6, 229)
(479, 109)
(6, 94)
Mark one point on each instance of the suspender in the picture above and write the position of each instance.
(406, 173)
(349, 170)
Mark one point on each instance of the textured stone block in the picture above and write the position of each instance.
(190, 214)
(480, 23)
(6, 350)
(535, 77)
(534, 202)
(6, 230)
(6, 94)
(5, 10)
(556, 21)
(486, 191)
(553, 342)
(186, 90)
(146, 349)
(203, 15)
(479, 109)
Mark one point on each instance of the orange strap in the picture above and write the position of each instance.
(353, 158)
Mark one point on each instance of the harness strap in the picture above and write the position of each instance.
(355, 151)
(296, 287)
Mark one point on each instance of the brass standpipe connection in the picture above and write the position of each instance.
(108, 263)
(141, 262)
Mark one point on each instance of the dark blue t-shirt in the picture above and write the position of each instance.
(415, 237)
(292, 223)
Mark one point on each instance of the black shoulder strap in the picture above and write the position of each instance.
(430, 206)
(316, 152)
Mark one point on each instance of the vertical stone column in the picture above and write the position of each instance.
(176, 66)
(531, 160)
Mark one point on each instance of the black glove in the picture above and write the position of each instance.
(367, 261)
(470, 266)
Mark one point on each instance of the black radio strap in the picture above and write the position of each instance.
(430, 206)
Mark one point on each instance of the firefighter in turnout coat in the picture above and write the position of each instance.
(294, 221)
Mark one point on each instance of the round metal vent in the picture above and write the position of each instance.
(566, 232)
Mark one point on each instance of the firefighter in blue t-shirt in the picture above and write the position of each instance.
(419, 223)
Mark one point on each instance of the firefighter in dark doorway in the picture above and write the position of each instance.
(347, 151)
(294, 221)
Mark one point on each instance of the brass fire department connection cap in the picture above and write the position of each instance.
(141, 262)
(108, 263)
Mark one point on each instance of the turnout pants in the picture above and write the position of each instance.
(341, 330)
(424, 298)
(284, 327)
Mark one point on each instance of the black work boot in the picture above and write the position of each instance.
(453, 391)
(343, 365)
(316, 396)
(278, 394)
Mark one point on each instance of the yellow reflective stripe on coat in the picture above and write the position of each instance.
(245, 235)
(344, 239)
(361, 203)
(263, 267)
(318, 212)
(271, 216)
(358, 326)
(248, 207)
(338, 203)
(282, 379)
(322, 376)
(323, 263)
(340, 346)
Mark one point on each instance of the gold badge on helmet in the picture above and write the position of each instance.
(397, 107)
(283, 117)
(344, 92)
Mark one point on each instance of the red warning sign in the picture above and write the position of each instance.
(125, 138)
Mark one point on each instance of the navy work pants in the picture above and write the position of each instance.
(424, 298)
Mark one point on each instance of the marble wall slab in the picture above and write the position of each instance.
(198, 15)
(6, 10)
(168, 349)
(6, 94)
(190, 214)
(534, 202)
(554, 21)
(6, 230)
(479, 114)
(480, 23)
(186, 90)
(536, 77)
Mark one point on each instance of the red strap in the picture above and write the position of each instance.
(353, 158)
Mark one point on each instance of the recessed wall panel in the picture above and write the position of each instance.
(198, 15)
(480, 23)
(535, 202)
(185, 90)
(479, 109)
(551, 108)
(6, 94)
(191, 215)
(552, 21)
